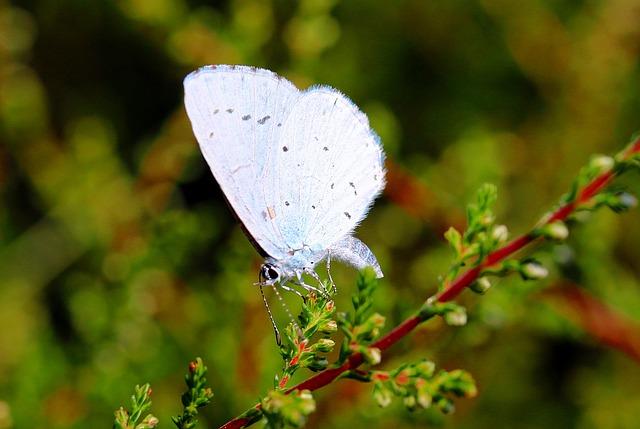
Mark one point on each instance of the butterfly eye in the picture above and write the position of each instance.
(273, 274)
(268, 273)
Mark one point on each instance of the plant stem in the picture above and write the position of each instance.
(325, 377)
(597, 319)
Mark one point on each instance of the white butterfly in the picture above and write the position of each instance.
(300, 169)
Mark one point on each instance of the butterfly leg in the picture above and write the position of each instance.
(309, 287)
(315, 275)
(333, 285)
(283, 285)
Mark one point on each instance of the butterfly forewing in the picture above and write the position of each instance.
(237, 115)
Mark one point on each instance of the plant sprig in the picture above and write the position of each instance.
(140, 404)
(485, 259)
(195, 397)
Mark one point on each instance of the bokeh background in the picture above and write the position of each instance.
(119, 261)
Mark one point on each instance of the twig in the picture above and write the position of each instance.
(325, 377)
(598, 319)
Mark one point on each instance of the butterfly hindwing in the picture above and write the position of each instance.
(331, 168)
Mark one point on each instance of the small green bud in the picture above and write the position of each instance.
(382, 395)
(318, 364)
(122, 417)
(627, 200)
(487, 219)
(410, 402)
(620, 202)
(323, 345)
(307, 403)
(445, 405)
(149, 422)
(424, 398)
(533, 271)
(481, 285)
(456, 317)
(455, 240)
(500, 233)
(377, 320)
(329, 327)
(425, 368)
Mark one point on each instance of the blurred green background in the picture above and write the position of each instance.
(119, 261)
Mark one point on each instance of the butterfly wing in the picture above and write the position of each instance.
(237, 114)
(331, 169)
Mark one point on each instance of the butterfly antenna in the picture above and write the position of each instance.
(273, 322)
(286, 308)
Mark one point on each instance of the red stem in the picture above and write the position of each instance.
(598, 319)
(325, 377)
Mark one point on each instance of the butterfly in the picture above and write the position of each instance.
(299, 169)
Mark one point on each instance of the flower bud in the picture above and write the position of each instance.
(426, 368)
(318, 364)
(323, 345)
(382, 395)
(533, 271)
(424, 398)
(487, 219)
(378, 320)
(149, 422)
(456, 317)
(555, 231)
(627, 200)
(372, 355)
(445, 405)
(500, 233)
(481, 285)
(410, 402)
(328, 327)
(621, 201)
(602, 163)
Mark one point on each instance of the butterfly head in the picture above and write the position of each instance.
(269, 274)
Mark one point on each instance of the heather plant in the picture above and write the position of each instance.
(481, 252)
